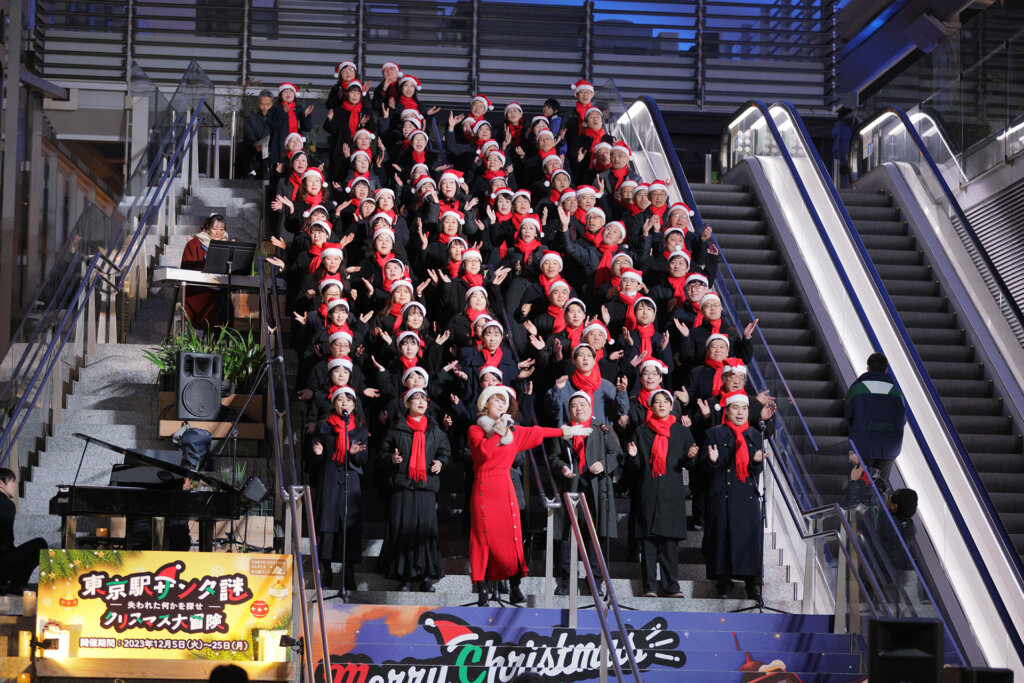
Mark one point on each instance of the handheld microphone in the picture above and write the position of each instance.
(276, 359)
(344, 415)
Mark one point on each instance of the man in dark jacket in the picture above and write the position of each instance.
(876, 415)
(16, 562)
(250, 153)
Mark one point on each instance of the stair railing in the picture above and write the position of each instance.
(99, 266)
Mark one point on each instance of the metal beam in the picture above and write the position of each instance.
(44, 86)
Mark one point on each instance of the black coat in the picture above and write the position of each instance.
(662, 499)
(400, 437)
(603, 447)
(331, 493)
(732, 519)
(277, 122)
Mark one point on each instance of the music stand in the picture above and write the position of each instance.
(229, 258)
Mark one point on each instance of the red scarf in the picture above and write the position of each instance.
(557, 313)
(742, 453)
(314, 257)
(322, 310)
(502, 217)
(408, 103)
(594, 238)
(353, 116)
(445, 238)
(342, 442)
(659, 211)
(474, 314)
(409, 362)
(581, 112)
(554, 196)
(491, 359)
(618, 175)
(517, 221)
(546, 282)
(644, 397)
(603, 275)
(516, 133)
(574, 335)
(646, 333)
(545, 154)
(527, 247)
(315, 199)
(490, 175)
(716, 325)
(293, 122)
(635, 210)
(473, 279)
(588, 383)
(581, 216)
(418, 157)
(579, 444)
(595, 136)
(600, 166)
(295, 180)
(678, 288)
(453, 268)
(382, 259)
(662, 427)
(716, 383)
(418, 458)
(628, 300)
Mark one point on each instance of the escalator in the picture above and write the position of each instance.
(989, 434)
(760, 270)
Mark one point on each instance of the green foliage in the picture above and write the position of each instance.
(60, 565)
(242, 353)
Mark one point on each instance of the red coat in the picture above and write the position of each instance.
(495, 537)
(200, 302)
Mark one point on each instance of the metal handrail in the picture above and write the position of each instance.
(592, 582)
(924, 376)
(19, 416)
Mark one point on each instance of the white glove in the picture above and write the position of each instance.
(577, 430)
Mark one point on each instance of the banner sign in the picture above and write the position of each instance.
(165, 605)
(408, 644)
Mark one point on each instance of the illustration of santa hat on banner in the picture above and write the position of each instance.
(449, 631)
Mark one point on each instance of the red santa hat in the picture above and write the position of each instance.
(470, 253)
(355, 83)
(355, 181)
(532, 219)
(618, 226)
(392, 64)
(331, 249)
(495, 152)
(412, 392)
(480, 124)
(381, 216)
(709, 297)
(716, 337)
(513, 105)
(486, 102)
(552, 256)
(413, 133)
(342, 65)
(313, 173)
(474, 289)
(631, 274)
(602, 146)
(581, 85)
(383, 191)
(645, 300)
(658, 185)
(696, 277)
(422, 181)
(415, 370)
(679, 206)
(596, 325)
(402, 283)
(677, 252)
(539, 118)
(656, 364)
(340, 334)
(594, 209)
(361, 132)
(628, 184)
(731, 397)
(402, 336)
(500, 191)
(545, 132)
(591, 110)
(559, 283)
(733, 365)
(413, 304)
(451, 174)
(384, 231)
(360, 152)
(622, 146)
(410, 79)
(318, 207)
(459, 217)
(287, 86)
(338, 392)
(668, 231)
(412, 114)
(328, 281)
(522, 193)
(339, 362)
(588, 189)
(335, 301)
(584, 395)
(287, 139)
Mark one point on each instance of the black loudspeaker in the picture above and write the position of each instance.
(980, 675)
(198, 392)
(904, 650)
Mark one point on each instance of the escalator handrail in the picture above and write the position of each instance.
(919, 364)
(672, 158)
(1004, 291)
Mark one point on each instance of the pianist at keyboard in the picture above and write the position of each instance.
(16, 562)
(205, 307)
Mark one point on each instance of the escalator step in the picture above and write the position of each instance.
(982, 424)
(723, 210)
(1004, 463)
(706, 199)
(992, 443)
(1001, 482)
(877, 228)
(774, 288)
(936, 353)
(813, 388)
(936, 336)
(729, 241)
(860, 198)
(928, 320)
(810, 370)
(912, 287)
(955, 370)
(831, 427)
(891, 241)
(900, 258)
(758, 271)
(729, 226)
(968, 405)
(979, 388)
(786, 337)
(821, 407)
(872, 213)
(796, 354)
(738, 257)
(932, 304)
(895, 271)
(1013, 503)
(782, 319)
(760, 302)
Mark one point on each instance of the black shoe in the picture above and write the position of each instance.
(428, 586)
(515, 596)
(405, 587)
(562, 590)
(754, 593)
(484, 598)
(722, 590)
(502, 588)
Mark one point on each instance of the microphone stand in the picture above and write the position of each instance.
(759, 603)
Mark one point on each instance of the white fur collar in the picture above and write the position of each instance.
(487, 424)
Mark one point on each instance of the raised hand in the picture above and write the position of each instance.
(318, 448)
(705, 409)
(536, 342)
(433, 110)
(748, 331)
(581, 154)
(683, 396)
(621, 383)
(544, 216)
(278, 242)
(563, 218)
(680, 327)
(768, 411)
(443, 337)
(422, 286)
(759, 456)
(559, 352)
(631, 449)
(366, 317)
(370, 392)
(369, 287)
(606, 317)
(274, 261)
(299, 317)
(713, 453)
(308, 110)
(706, 235)
(330, 114)
(528, 363)
(617, 355)
(491, 216)
(454, 120)
(380, 368)
(664, 342)
(627, 337)
(384, 336)
(560, 382)
(692, 452)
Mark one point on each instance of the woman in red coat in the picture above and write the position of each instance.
(201, 303)
(495, 539)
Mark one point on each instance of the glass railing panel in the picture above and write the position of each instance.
(1014, 133)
